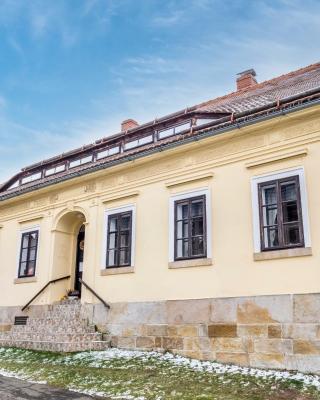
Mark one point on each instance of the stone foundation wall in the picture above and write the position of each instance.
(281, 332)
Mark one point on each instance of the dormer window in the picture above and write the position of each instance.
(173, 130)
(108, 152)
(138, 142)
(55, 170)
(30, 178)
(80, 161)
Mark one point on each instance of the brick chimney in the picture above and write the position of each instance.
(128, 124)
(246, 79)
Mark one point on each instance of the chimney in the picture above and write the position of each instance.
(128, 124)
(246, 79)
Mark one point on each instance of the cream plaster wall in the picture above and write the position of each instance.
(220, 164)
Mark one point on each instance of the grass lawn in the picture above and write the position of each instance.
(116, 374)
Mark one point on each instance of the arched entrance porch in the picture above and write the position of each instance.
(68, 251)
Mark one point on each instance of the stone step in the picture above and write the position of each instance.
(65, 347)
(55, 322)
(80, 328)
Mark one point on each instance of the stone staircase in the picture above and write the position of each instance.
(62, 328)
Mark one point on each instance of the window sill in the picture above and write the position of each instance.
(285, 253)
(27, 279)
(117, 271)
(197, 262)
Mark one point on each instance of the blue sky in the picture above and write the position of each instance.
(72, 70)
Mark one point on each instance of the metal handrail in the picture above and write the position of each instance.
(94, 293)
(44, 288)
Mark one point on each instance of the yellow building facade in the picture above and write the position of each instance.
(237, 281)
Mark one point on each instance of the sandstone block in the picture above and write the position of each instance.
(155, 330)
(260, 360)
(183, 330)
(126, 342)
(306, 308)
(309, 364)
(224, 310)
(222, 330)
(233, 358)
(264, 309)
(202, 330)
(145, 342)
(268, 346)
(230, 345)
(197, 344)
(171, 343)
(188, 311)
(274, 331)
(301, 331)
(158, 342)
(250, 330)
(311, 347)
(5, 327)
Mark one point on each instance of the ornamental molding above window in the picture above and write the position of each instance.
(275, 158)
(280, 212)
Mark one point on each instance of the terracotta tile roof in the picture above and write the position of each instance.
(293, 83)
(235, 107)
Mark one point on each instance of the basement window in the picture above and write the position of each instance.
(80, 161)
(55, 170)
(31, 178)
(138, 142)
(108, 152)
(173, 130)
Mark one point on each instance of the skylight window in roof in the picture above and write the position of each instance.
(80, 161)
(108, 152)
(173, 130)
(14, 185)
(55, 170)
(138, 142)
(31, 178)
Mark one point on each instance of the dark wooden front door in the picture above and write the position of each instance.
(79, 260)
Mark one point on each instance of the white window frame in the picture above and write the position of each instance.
(255, 203)
(186, 195)
(22, 231)
(117, 210)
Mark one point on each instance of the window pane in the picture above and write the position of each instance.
(32, 254)
(124, 239)
(31, 268)
(182, 229)
(269, 195)
(290, 211)
(125, 221)
(113, 227)
(197, 247)
(182, 211)
(197, 226)
(182, 248)
(111, 261)
(197, 208)
(270, 215)
(291, 235)
(112, 240)
(33, 239)
(24, 254)
(25, 241)
(124, 256)
(23, 269)
(288, 191)
(271, 238)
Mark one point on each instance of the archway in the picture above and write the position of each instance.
(68, 251)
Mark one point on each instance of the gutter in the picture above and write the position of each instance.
(207, 132)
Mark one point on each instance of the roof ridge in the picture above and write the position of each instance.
(261, 84)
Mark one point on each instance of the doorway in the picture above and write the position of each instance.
(79, 260)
